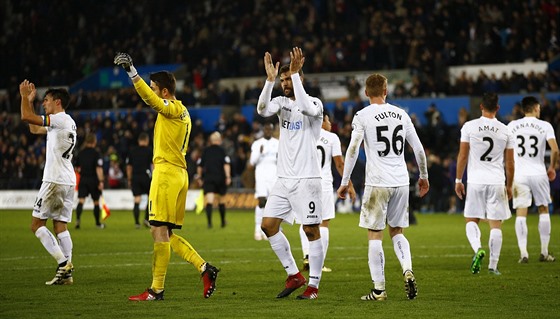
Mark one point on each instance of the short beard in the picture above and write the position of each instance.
(290, 94)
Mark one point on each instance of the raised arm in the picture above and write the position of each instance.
(167, 107)
(307, 106)
(264, 107)
(28, 92)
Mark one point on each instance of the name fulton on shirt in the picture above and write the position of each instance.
(388, 114)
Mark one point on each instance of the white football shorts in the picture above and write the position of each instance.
(384, 205)
(54, 201)
(328, 204)
(527, 187)
(487, 202)
(263, 186)
(299, 198)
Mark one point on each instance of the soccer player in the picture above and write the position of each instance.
(298, 187)
(214, 174)
(264, 157)
(90, 166)
(139, 169)
(485, 144)
(56, 195)
(531, 176)
(385, 128)
(168, 189)
(328, 150)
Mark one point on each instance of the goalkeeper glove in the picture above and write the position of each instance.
(124, 60)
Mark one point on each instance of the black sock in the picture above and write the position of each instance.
(96, 214)
(136, 212)
(209, 214)
(79, 211)
(222, 208)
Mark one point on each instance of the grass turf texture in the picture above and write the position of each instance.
(114, 263)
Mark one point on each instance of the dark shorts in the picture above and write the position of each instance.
(140, 185)
(219, 188)
(89, 187)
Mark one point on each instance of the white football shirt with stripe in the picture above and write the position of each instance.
(530, 135)
(61, 140)
(488, 139)
(384, 128)
(328, 146)
(297, 156)
(265, 162)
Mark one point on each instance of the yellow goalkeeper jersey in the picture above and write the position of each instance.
(172, 128)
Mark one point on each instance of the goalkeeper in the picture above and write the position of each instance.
(168, 189)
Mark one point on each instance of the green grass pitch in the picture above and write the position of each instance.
(114, 263)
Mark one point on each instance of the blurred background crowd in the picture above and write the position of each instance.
(59, 42)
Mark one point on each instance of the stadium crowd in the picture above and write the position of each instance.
(225, 39)
(218, 39)
(22, 154)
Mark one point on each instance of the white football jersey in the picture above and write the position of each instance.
(265, 162)
(488, 139)
(384, 128)
(531, 135)
(328, 146)
(61, 140)
(299, 132)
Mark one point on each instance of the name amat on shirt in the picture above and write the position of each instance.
(488, 128)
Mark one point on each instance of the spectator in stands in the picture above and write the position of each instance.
(115, 175)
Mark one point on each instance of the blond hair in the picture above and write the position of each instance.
(376, 85)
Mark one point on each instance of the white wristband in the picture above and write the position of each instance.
(132, 73)
(458, 180)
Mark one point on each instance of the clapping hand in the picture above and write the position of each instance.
(296, 60)
(270, 67)
(27, 90)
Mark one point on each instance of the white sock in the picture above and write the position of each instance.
(402, 250)
(473, 235)
(376, 261)
(258, 219)
(544, 231)
(495, 244)
(304, 241)
(521, 232)
(281, 246)
(325, 239)
(66, 244)
(316, 260)
(50, 243)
